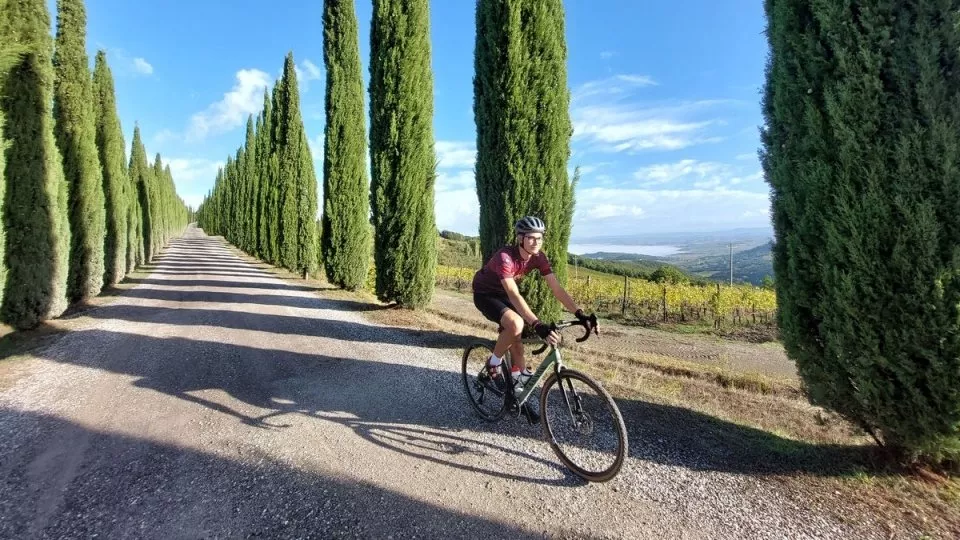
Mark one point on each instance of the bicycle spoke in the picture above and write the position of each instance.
(485, 395)
(585, 428)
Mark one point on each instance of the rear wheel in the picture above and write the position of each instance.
(486, 393)
(583, 425)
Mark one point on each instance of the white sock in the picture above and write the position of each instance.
(494, 361)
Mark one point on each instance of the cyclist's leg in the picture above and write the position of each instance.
(512, 325)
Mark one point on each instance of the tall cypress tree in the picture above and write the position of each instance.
(140, 176)
(402, 153)
(10, 55)
(157, 208)
(76, 138)
(264, 146)
(345, 240)
(250, 187)
(521, 109)
(38, 231)
(297, 180)
(273, 202)
(860, 148)
(113, 159)
(257, 179)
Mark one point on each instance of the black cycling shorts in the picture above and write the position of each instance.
(492, 306)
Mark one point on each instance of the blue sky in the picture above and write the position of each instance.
(665, 99)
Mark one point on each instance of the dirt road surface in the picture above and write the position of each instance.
(214, 400)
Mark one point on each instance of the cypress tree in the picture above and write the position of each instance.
(264, 147)
(250, 187)
(257, 179)
(112, 152)
(134, 222)
(297, 180)
(76, 139)
(140, 174)
(157, 208)
(274, 207)
(521, 110)
(862, 110)
(35, 217)
(402, 154)
(345, 242)
(10, 55)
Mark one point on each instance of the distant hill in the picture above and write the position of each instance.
(749, 266)
(461, 251)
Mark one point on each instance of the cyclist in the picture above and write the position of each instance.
(496, 295)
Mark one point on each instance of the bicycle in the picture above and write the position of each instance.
(559, 401)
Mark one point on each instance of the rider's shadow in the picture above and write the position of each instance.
(409, 409)
(438, 446)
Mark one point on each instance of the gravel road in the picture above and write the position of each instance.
(214, 400)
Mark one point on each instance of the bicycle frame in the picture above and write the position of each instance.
(554, 359)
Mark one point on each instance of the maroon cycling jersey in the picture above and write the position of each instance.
(507, 263)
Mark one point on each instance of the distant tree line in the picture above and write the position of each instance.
(264, 199)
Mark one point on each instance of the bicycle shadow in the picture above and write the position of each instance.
(258, 387)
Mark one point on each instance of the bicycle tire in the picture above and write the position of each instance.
(469, 381)
(612, 409)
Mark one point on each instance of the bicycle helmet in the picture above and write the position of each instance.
(530, 224)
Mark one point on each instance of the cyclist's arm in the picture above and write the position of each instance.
(513, 293)
(561, 293)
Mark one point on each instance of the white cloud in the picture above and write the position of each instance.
(617, 84)
(245, 98)
(124, 64)
(192, 200)
(746, 157)
(165, 135)
(142, 66)
(609, 211)
(609, 116)
(456, 154)
(307, 71)
(191, 170)
(618, 128)
(316, 149)
(601, 211)
(313, 72)
(703, 174)
(193, 177)
(663, 173)
(607, 54)
(462, 179)
(458, 211)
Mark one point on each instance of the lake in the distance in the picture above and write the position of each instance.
(655, 251)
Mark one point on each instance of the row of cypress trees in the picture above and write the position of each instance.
(264, 199)
(75, 219)
(523, 133)
(398, 200)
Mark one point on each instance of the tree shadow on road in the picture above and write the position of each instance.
(124, 486)
(281, 324)
(389, 405)
(232, 284)
(175, 294)
(401, 402)
(237, 274)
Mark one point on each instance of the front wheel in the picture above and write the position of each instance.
(583, 425)
(486, 394)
